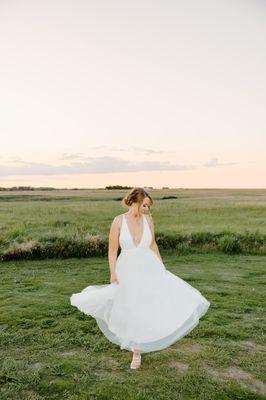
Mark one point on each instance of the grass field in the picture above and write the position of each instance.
(50, 350)
(25, 215)
(52, 218)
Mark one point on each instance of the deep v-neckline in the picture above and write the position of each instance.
(143, 227)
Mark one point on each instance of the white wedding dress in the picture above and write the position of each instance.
(150, 308)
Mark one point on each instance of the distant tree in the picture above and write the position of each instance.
(117, 187)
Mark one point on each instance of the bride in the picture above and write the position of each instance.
(145, 307)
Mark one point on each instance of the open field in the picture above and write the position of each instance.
(50, 350)
(60, 215)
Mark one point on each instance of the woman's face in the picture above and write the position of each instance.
(145, 205)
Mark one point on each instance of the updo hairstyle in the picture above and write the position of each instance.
(136, 195)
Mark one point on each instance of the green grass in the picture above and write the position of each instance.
(28, 216)
(55, 218)
(50, 350)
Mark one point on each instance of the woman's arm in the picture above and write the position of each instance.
(113, 245)
(153, 245)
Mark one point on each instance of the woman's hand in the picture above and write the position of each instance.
(113, 278)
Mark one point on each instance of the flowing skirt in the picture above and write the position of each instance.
(149, 309)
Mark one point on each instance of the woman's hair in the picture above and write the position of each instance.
(136, 195)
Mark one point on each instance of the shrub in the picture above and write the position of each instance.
(229, 244)
(25, 250)
(78, 245)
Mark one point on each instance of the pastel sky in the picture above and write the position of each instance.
(142, 93)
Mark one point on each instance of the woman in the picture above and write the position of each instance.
(145, 307)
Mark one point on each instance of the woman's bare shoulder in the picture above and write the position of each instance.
(117, 220)
(149, 218)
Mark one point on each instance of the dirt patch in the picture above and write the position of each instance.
(37, 365)
(253, 346)
(250, 317)
(112, 362)
(243, 378)
(181, 367)
(109, 375)
(70, 353)
(188, 348)
(192, 348)
(169, 350)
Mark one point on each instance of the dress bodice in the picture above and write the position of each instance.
(125, 239)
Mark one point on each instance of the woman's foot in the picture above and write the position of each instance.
(136, 360)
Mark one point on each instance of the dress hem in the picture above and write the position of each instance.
(146, 347)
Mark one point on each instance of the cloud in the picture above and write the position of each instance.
(213, 162)
(145, 151)
(135, 150)
(71, 156)
(99, 165)
(81, 163)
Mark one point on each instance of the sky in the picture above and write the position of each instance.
(138, 93)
